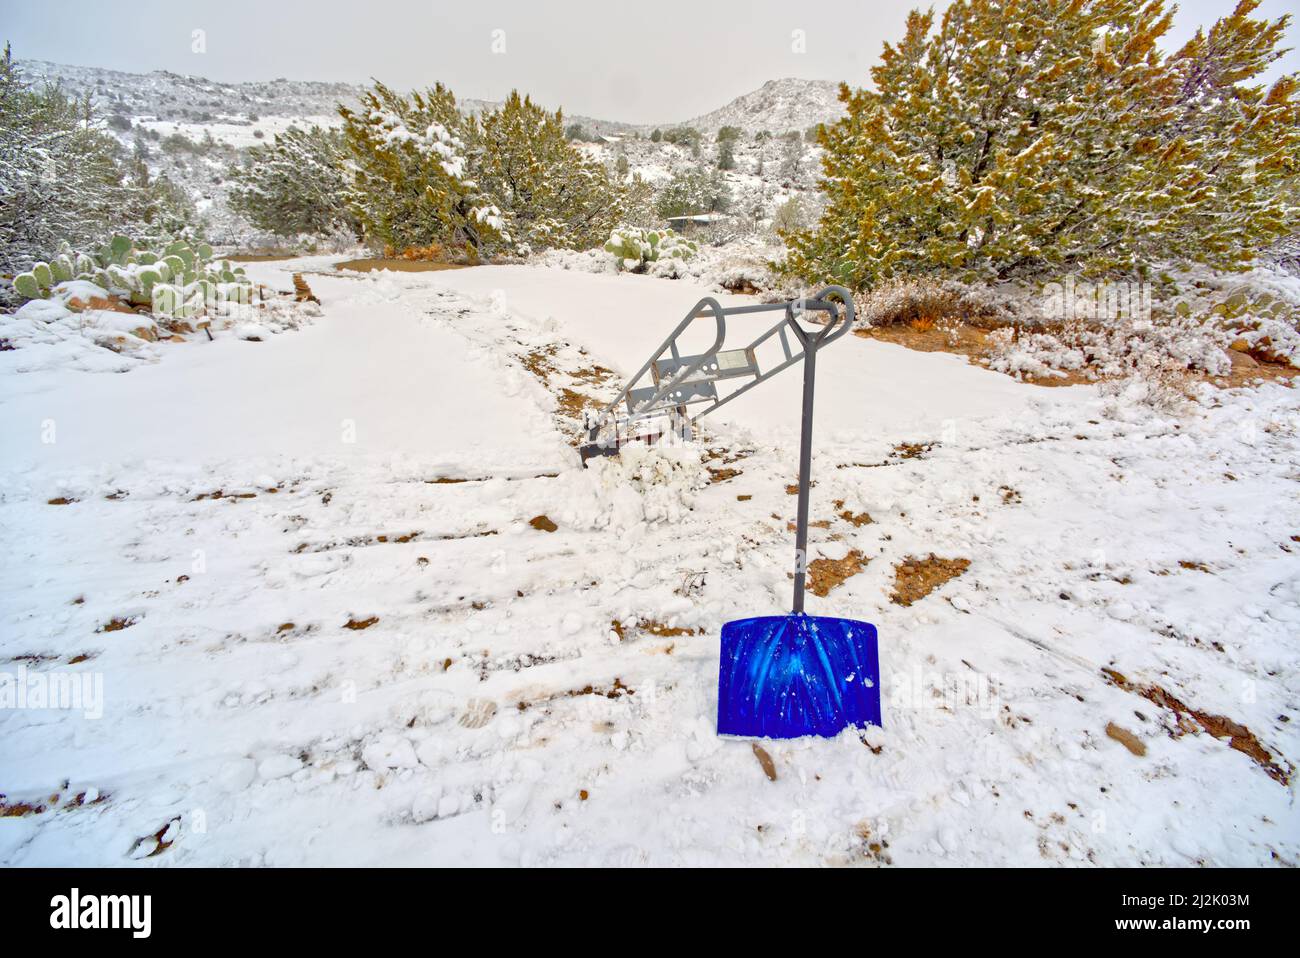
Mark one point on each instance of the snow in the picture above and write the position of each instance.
(333, 658)
(322, 393)
(872, 383)
(243, 134)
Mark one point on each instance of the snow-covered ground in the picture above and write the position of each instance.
(241, 134)
(331, 657)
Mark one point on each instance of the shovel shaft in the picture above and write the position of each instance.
(805, 475)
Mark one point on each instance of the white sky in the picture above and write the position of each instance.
(641, 62)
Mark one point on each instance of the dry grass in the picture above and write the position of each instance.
(926, 305)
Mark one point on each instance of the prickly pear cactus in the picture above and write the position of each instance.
(634, 248)
(26, 286)
(179, 280)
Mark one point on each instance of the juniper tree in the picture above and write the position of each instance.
(410, 183)
(62, 180)
(1028, 135)
(694, 191)
(726, 155)
(295, 185)
(549, 193)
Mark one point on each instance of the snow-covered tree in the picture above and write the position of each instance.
(1026, 135)
(63, 180)
(694, 191)
(409, 173)
(549, 193)
(295, 185)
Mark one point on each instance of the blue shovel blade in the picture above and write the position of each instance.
(784, 676)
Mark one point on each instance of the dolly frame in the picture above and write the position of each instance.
(682, 384)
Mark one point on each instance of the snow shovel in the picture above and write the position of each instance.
(786, 676)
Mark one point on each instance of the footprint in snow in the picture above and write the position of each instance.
(478, 712)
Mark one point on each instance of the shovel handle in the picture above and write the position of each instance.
(840, 322)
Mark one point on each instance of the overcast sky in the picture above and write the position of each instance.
(641, 62)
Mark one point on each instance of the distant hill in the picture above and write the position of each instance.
(777, 106)
(162, 95)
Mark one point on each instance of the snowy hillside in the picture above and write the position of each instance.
(162, 95)
(777, 106)
(195, 101)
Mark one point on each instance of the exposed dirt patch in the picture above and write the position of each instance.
(542, 524)
(792, 526)
(967, 341)
(61, 501)
(396, 265)
(856, 520)
(267, 256)
(35, 658)
(617, 690)
(595, 374)
(222, 494)
(722, 475)
(358, 624)
(1247, 369)
(1009, 496)
(664, 631)
(1194, 566)
(19, 809)
(743, 498)
(55, 802)
(961, 340)
(915, 578)
(357, 542)
(793, 488)
(538, 363)
(873, 849)
(1188, 719)
(650, 626)
(1248, 366)
(911, 450)
(572, 403)
(826, 574)
(1126, 738)
(117, 625)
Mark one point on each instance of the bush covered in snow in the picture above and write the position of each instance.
(921, 299)
(63, 178)
(1189, 328)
